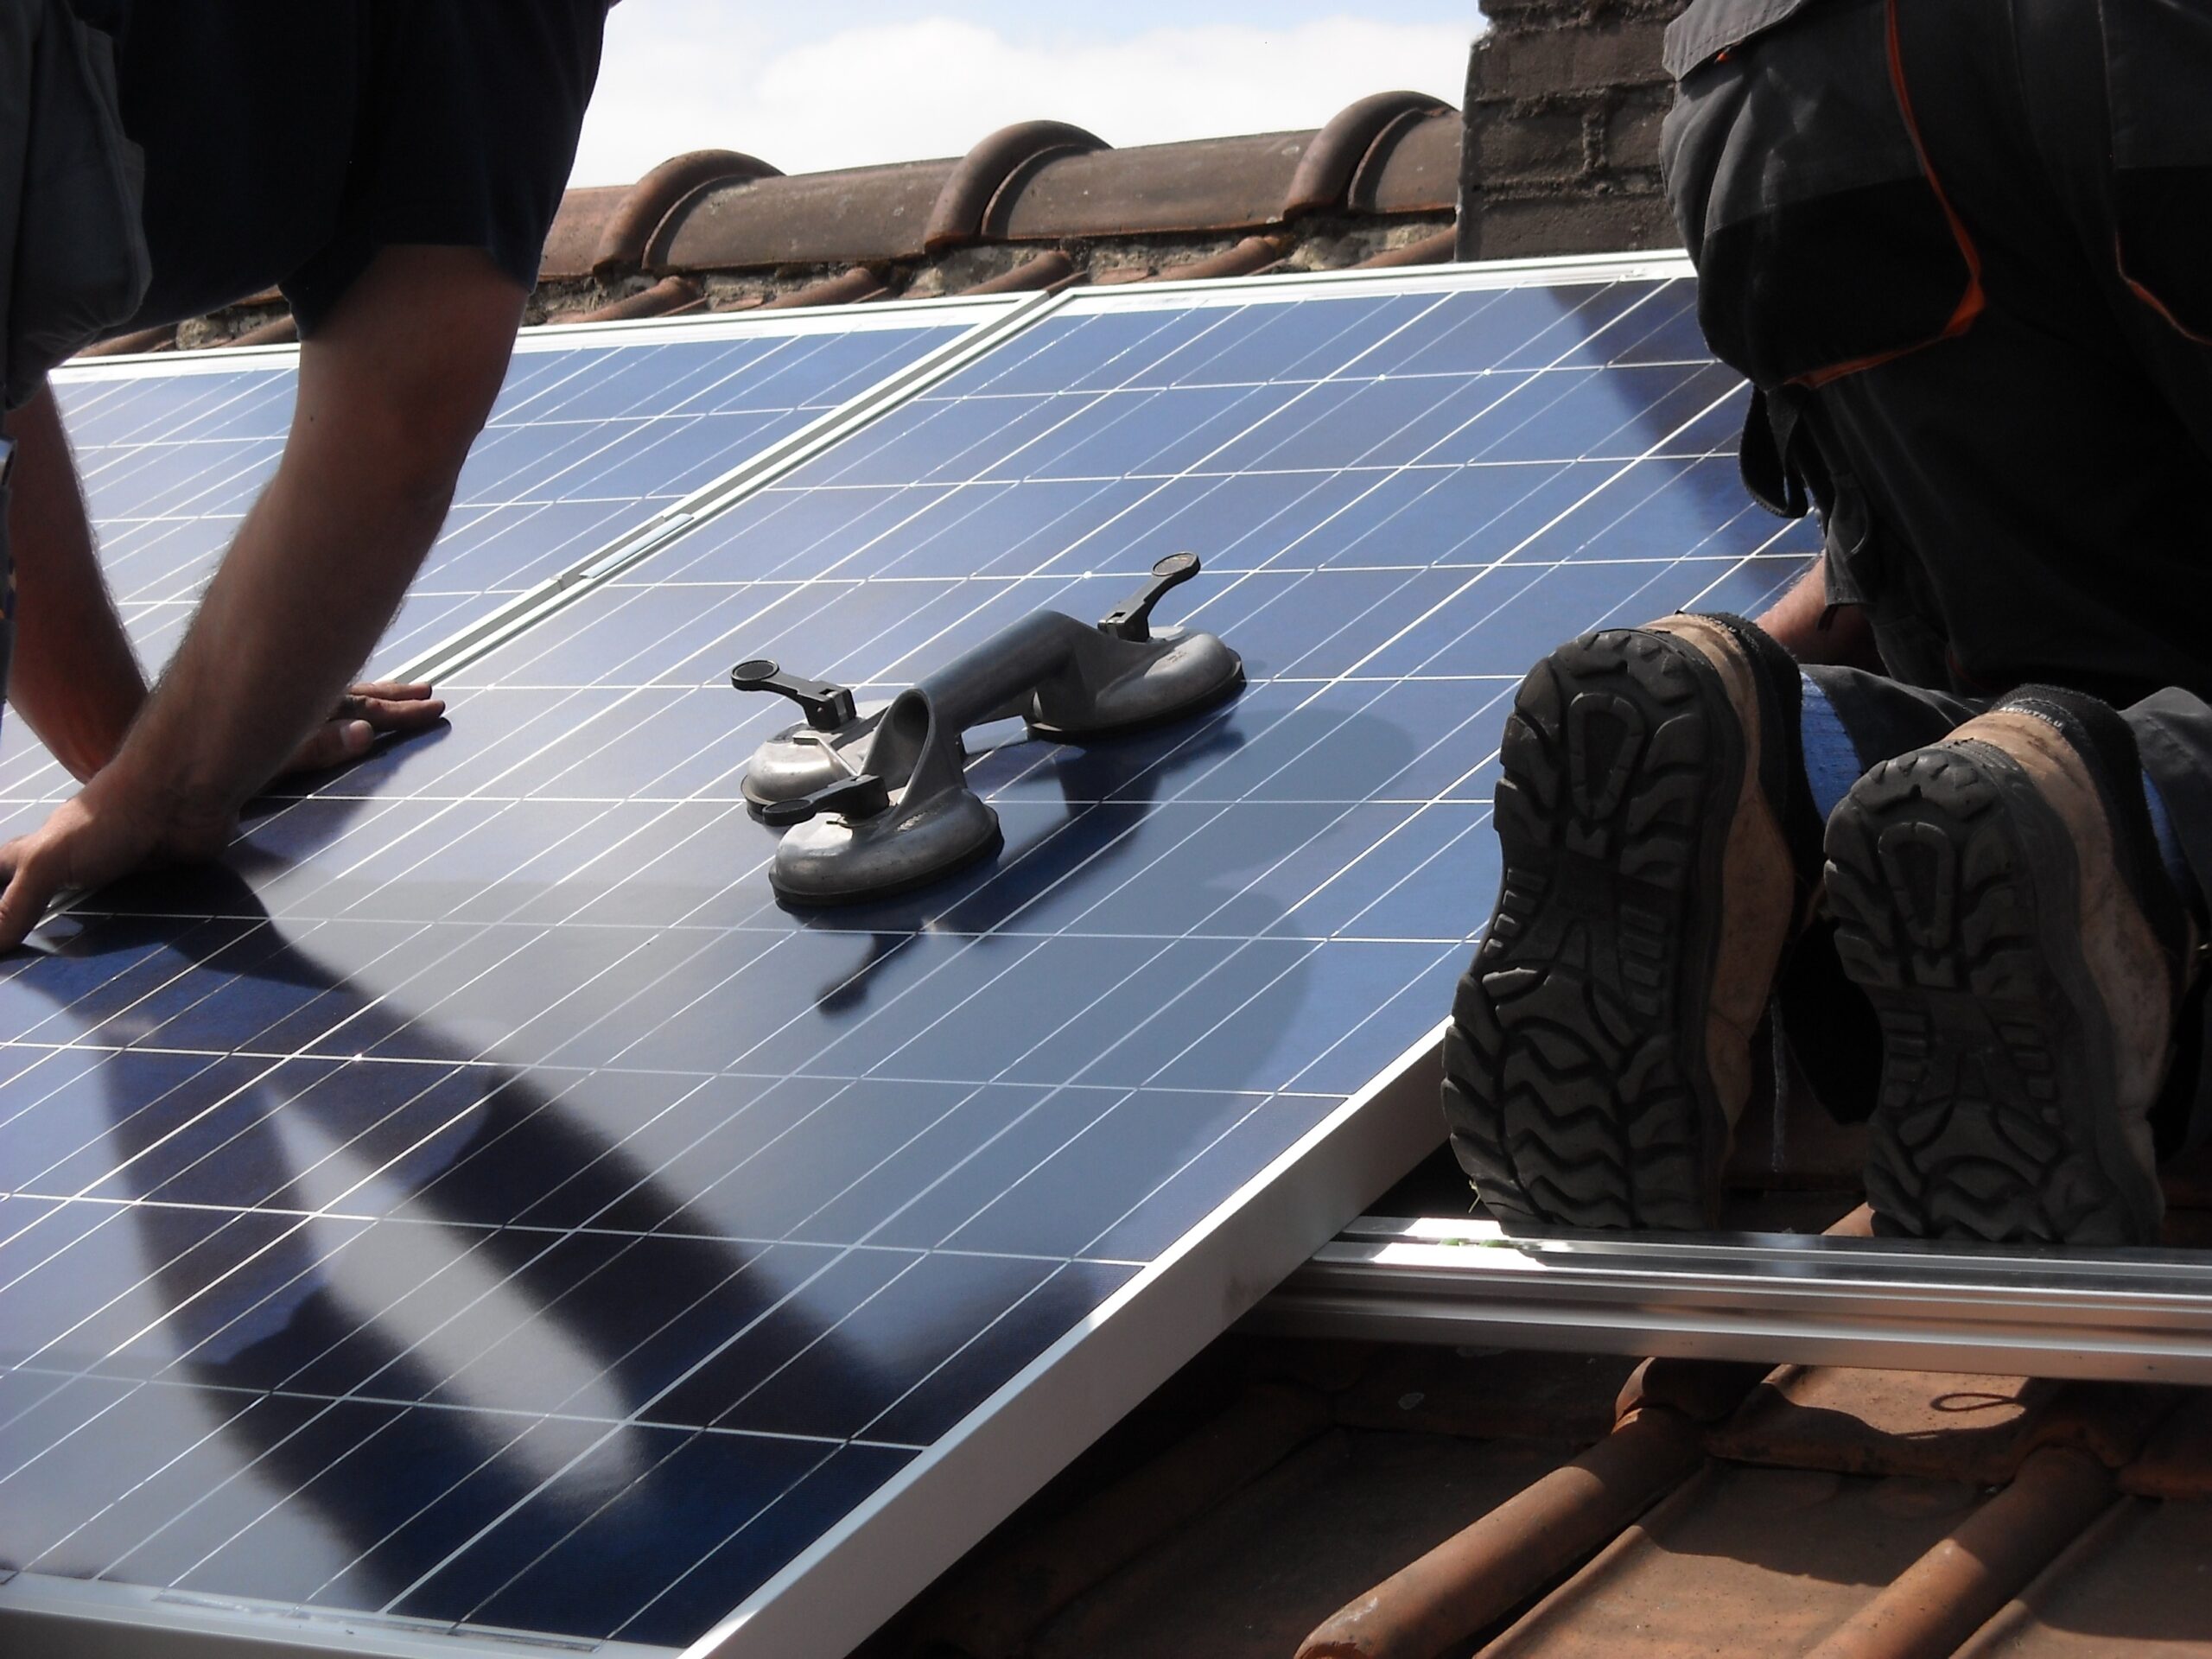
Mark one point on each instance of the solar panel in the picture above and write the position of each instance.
(480, 1208)
(595, 429)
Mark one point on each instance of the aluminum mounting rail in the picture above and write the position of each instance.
(1776, 1297)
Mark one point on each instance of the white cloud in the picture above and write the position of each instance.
(908, 90)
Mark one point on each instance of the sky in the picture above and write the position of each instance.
(863, 82)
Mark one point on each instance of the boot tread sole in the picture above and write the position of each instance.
(1955, 915)
(1575, 1078)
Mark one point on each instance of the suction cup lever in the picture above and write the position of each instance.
(1132, 619)
(831, 791)
(827, 706)
(851, 799)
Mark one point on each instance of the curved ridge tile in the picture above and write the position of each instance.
(964, 205)
(647, 204)
(1324, 178)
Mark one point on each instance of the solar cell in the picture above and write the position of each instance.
(595, 429)
(479, 1207)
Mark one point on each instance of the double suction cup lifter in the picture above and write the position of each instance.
(874, 802)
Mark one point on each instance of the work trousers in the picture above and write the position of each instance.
(1963, 251)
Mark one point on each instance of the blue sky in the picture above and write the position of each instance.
(876, 81)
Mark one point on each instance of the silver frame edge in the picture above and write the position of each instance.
(833, 1597)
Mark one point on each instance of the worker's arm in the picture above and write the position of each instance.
(393, 390)
(72, 676)
(1804, 624)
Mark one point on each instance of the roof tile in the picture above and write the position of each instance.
(163, 338)
(1937, 1424)
(1247, 1580)
(671, 296)
(850, 288)
(1208, 184)
(1413, 168)
(1247, 257)
(1969, 1574)
(645, 206)
(1049, 269)
(812, 219)
(1427, 250)
(996, 167)
(572, 245)
(2135, 1584)
(1324, 178)
(1479, 1574)
(1741, 1560)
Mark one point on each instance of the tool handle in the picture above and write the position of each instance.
(862, 796)
(826, 706)
(1132, 619)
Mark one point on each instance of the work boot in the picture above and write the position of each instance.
(1659, 844)
(2000, 898)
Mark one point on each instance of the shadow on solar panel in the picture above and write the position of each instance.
(484, 1208)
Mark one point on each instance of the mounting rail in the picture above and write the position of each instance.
(2141, 1314)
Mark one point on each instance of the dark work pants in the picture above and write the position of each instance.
(1979, 307)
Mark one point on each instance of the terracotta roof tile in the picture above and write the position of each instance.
(572, 245)
(1252, 1576)
(1483, 1571)
(1413, 167)
(1929, 1424)
(647, 204)
(1742, 1560)
(2135, 1584)
(671, 296)
(1247, 257)
(1703, 1390)
(811, 219)
(998, 167)
(1209, 184)
(1968, 1576)
(1051, 269)
(163, 338)
(850, 288)
(1935, 1424)
(1350, 157)
(1428, 251)
(277, 331)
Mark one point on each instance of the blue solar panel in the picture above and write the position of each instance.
(480, 1203)
(593, 431)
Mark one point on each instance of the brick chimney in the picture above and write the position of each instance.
(1563, 106)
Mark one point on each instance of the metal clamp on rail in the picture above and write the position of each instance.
(877, 800)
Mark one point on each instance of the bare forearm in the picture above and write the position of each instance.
(392, 390)
(392, 393)
(318, 568)
(73, 677)
(1804, 623)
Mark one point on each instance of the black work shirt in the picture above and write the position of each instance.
(285, 144)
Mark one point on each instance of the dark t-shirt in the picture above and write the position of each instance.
(286, 143)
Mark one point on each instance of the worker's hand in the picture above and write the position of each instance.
(107, 830)
(364, 712)
(119, 824)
